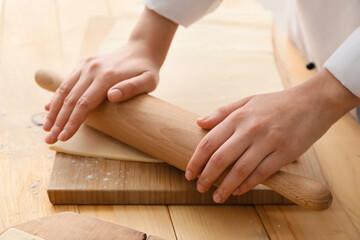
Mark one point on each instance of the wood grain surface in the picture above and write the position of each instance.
(190, 221)
(337, 222)
(67, 225)
(337, 150)
(85, 180)
(33, 37)
(154, 139)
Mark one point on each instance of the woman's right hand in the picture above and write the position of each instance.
(119, 76)
(132, 70)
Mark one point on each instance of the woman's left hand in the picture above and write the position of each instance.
(260, 134)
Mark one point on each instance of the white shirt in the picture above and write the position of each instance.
(317, 28)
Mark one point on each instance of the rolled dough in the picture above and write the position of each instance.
(89, 142)
(16, 234)
(221, 59)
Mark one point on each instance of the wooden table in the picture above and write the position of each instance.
(41, 33)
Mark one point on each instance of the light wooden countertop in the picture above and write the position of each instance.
(41, 33)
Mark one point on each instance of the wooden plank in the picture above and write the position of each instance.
(293, 222)
(154, 238)
(339, 156)
(247, 41)
(30, 39)
(85, 180)
(97, 29)
(118, 7)
(154, 220)
(73, 19)
(290, 63)
(2, 8)
(216, 222)
(2, 225)
(67, 225)
(339, 144)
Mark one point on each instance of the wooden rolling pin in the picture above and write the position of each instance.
(171, 134)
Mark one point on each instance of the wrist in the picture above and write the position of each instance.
(154, 33)
(329, 95)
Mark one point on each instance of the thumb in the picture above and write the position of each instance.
(145, 82)
(210, 121)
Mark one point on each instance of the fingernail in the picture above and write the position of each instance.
(62, 135)
(47, 125)
(203, 118)
(115, 94)
(217, 198)
(188, 175)
(200, 187)
(50, 138)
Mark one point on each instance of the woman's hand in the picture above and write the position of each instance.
(119, 76)
(258, 135)
(132, 70)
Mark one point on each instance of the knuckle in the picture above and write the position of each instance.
(275, 137)
(205, 145)
(153, 82)
(71, 124)
(195, 166)
(93, 65)
(235, 117)
(223, 191)
(217, 160)
(132, 85)
(241, 169)
(245, 186)
(69, 101)
(63, 89)
(204, 181)
(50, 117)
(56, 126)
(261, 172)
(129, 88)
(88, 59)
(222, 110)
(254, 127)
(108, 74)
(83, 103)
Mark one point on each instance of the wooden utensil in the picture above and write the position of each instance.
(68, 225)
(170, 133)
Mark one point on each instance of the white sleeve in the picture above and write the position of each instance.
(344, 63)
(183, 12)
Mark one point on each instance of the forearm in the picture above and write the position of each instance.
(155, 33)
(329, 94)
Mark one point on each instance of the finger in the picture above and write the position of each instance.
(58, 99)
(209, 122)
(268, 167)
(145, 82)
(47, 106)
(241, 170)
(223, 157)
(67, 107)
(87, 102)
(207, 146)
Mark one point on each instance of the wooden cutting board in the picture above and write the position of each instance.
(85, 180)
(68, 225)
